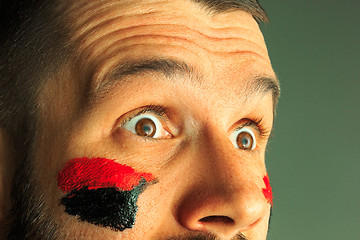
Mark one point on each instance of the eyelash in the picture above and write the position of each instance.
(259, 124)
(159, 110)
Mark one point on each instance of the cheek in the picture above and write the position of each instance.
(102, 192)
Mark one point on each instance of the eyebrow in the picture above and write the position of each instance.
(170, 68)
(265, 84)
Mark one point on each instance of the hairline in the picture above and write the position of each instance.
(223, 6)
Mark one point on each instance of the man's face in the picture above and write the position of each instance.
(167, 89)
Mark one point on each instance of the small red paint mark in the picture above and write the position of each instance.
(97, 173)
(268, 190)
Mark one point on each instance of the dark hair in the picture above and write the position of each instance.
(31, 48)
(250, 6)
(33, 45)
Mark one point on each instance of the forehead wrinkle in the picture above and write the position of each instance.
(156, 18)
(122, 24)
(91, 13)
(83, 14)
(97, 24)
(104, 18)
(213, 46)
(96, 38)
(85, 11)
(90, 41)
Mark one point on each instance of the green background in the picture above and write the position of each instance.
(314, 157)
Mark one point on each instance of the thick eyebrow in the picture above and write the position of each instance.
(170, 68)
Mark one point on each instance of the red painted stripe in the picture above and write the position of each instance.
(99, 173)
(268, 190)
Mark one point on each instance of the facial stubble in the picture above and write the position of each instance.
(29, 218)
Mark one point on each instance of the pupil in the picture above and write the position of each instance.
(245, 142)
(147, 129)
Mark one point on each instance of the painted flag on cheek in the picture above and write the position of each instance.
(102, 192)
(268, 190)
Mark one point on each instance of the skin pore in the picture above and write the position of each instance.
(200, 77)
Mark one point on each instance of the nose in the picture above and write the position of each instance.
(224, 191)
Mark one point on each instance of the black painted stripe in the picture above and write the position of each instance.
(105, 207)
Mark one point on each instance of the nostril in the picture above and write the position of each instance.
(217, 219)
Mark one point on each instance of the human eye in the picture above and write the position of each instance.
(243, 138)
(248, 135)
(148, 122)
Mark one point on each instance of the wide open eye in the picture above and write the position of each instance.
(243, 138)
(147, 125)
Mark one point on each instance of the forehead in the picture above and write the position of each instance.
(86, 14)
(89, 19)
(94, 23)
(108, 33)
